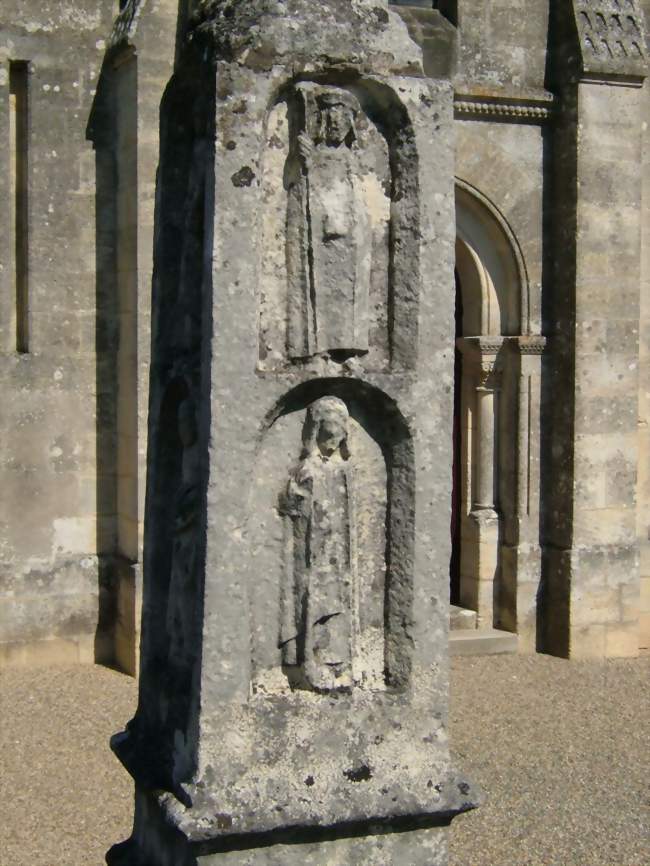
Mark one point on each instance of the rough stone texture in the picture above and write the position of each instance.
(502, 46)
(74, 424)
(643, 470)
(50, 576)
(123, 127)
(612, 38)
(591, 553)
(606, 434)
(295, 611)
(436, 35)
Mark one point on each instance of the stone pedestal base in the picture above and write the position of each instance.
(479, 564)
(404, 843)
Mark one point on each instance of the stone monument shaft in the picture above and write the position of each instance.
(294, 675)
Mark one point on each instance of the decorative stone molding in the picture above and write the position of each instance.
(533, 344)
(489, 377)
(612, 40)
(528, 344)
(476, 106)
(482, 352)
(489, 345)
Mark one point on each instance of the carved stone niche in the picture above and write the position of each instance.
(332, 544)
(339, 260)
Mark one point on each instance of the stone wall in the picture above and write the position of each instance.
(75, 403)
(49, 516)
(590, 590)
(502, 45)
(124, 128)
(605, 592)
(643, 483)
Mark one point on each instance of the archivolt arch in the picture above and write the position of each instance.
(491, 268)
(497, 399)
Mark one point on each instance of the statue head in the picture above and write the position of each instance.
(338, 110)
(326, 428)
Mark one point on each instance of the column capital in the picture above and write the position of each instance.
(483, 354)
(480, 346)
(531, 344)
(489, 376)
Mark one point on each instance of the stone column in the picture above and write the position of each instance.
(486, 398)
(294, 665)
(527, 566)
(480, 548)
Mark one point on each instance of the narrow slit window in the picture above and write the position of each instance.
(18, 123)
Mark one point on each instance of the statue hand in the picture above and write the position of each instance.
(294, 501)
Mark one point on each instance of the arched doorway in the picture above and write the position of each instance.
(497, 399)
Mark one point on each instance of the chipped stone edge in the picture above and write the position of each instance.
(126, 23)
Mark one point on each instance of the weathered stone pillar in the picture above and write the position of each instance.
(480, 550)
(591, 552)
(528, 551)
(293, 689)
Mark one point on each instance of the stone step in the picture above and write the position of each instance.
(481, 642)
(461, 617)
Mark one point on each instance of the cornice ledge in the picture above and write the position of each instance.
(527, 344)
(482, 345)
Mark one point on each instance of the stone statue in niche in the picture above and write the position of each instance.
(329, 240)
(182, 583)
(319, 621)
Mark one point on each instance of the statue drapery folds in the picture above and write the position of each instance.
(319, 606)
(329, 239)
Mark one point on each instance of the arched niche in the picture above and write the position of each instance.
(383, 196)
(381, 471)
(492, 312)
(490, 268)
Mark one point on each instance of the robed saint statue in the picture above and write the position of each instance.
(319, 623)
(329, 241)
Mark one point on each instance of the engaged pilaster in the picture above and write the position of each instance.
(591, 548)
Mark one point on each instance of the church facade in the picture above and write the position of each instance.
(551, 473)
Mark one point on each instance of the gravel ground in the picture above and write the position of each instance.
(562, 751)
